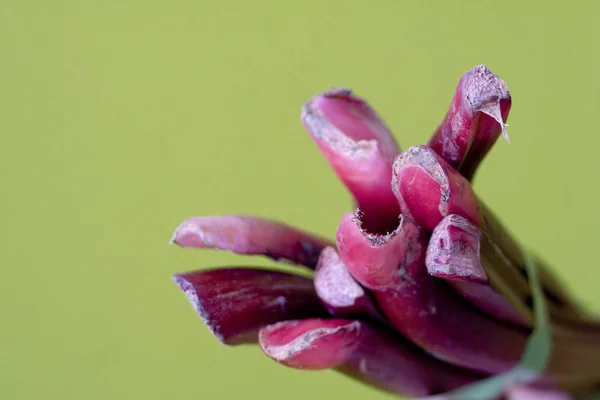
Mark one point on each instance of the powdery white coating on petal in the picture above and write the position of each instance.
(478, 93)
(333, 283)
(348, 124)
(278, 301)
(425, 158)
(335, 139)
(245, 234)
(306, 340)
(454, 250)
(362, 365)
(235, 303)
(192, 296)
(450, 148)
(429, 189)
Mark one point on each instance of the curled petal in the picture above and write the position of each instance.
(428, 188)
(359, 148)
(453, 251)
(453, 254)
(340, 293)
(235, 303)
(371, 258)
(358, 350)
(312, 344)
(475, 119)
(243, 234)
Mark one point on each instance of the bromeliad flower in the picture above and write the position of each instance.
(423, 291)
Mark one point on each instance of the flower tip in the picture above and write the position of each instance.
(337, 92)
(188, 289)
(343, 122)
(324, 107)
(188, 234)
(453, 252)
(371, 258)
(173, 239)
(333, 283)
(312, 344)
(190, 292)
(483, 86)
(485, 92)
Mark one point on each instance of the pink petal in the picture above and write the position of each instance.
(358, 350)
(453, 251)
(428, 189)
(359, 148)
(236, 302)
(311, 344)
(243, 234)
(340, 293)
(475, 119)
(372, 259)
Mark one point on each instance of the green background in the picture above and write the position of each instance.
(121, 118)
